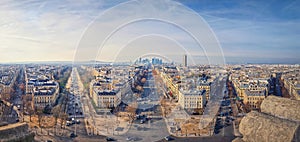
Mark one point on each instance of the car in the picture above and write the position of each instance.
(73, 135)
(19, 107)
(77, 121)
(168, 138)
(69, 123)
(132, 139)
(128, 138)
(110, 139)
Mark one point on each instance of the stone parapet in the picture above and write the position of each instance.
(281, 107)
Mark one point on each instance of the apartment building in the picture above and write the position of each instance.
(105, 88)
(44, 96)
(292, 84)
(8, 76)
(192, 99)
(106, 99)
(253, 98)
(171, 78)
(205, 85)
(40, 84)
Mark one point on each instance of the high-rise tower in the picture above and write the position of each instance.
(185, 60)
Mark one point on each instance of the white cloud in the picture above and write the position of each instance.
(51, 30)
(46, 33)
(177, 23)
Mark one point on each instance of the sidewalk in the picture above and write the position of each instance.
(110, 125)
(176, 113)
(98, 124)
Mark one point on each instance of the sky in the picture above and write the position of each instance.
(247, 31)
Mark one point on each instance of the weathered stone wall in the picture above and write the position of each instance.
(16, 132)
(281, 107)
(261, 127)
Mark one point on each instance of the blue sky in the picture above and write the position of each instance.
(254, 29)
(248, 31)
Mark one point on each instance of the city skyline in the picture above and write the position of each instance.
(150, 70)
(251, 32)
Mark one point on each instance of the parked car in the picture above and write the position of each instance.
(73, 135)
(68, 123)
(110, 139)
(168, 138)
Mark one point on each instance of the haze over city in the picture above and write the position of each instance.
(248, 31)
(150, 70)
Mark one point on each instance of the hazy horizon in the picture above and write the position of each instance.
(229, 60)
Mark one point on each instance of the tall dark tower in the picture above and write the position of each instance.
(185, 60)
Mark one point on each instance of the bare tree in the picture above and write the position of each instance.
(56, 112)
(30, 111)
(4, 110)
(63, 118)
(39, 113)
(131, 111)
(139, 88)
(258, 103)
(165, 108)
(247, 107)
(5, 97)
(27, 103)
